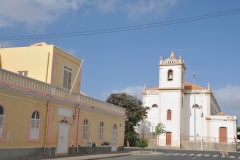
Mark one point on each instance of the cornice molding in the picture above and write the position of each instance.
(55, 100)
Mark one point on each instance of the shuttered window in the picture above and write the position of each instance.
(35, 125)
(101, 131)
(169, 114)
(85, 130)
(1, 121)
(67, 77)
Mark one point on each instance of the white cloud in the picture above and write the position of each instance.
(71, 51)
(6, 44)
(229, 99)
(37, 12)
(144, 7)
(106, 6)
(228, 96)
(134, 91)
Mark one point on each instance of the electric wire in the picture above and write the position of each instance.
(121, 29)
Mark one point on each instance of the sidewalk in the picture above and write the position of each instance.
(93, 156)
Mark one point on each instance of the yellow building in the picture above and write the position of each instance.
(40, 116)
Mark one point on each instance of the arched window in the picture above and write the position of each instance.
(1, 120)
(169, 114)
(114, 140)
(154, 105)
(85, 129)
(170, 75)
(196, 106)
(35, 125)
(101, 132)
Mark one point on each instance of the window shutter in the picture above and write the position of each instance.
(69, 80)
(1, 125)
(65, 78)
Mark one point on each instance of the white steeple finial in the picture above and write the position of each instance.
(160, 62)
(172, 55)
(180, 57)
(144, 89)
(208, 86)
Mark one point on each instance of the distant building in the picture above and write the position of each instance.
(172, 103)
(43, 111)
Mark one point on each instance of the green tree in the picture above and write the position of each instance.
(159, 130)
(142, 143)
(238, 129)
(130, 136)
(134, 112)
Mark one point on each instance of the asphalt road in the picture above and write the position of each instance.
(168, 154)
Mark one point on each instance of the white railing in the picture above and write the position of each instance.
(23, 81)
(15, 79)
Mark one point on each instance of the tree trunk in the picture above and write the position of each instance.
(127, 143)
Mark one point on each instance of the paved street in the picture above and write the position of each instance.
(164, 154)
(168, 154)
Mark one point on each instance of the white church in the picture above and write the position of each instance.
(172, 103)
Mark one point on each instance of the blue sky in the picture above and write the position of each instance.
(125, 61)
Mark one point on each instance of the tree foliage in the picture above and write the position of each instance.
(134, 110)
(131, 136)
(238, 129)
(159, 129)
(142, 143)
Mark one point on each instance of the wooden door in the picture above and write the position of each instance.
(223, 134)
(168, 138)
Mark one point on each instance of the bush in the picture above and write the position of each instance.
(142, 143)
(93, 144)
(105, 144)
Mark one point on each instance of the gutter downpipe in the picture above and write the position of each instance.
(77, 127)
(46, 129)
(47, 67)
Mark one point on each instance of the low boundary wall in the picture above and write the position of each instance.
(231, 147)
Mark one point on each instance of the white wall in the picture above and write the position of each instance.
(201, 123)
(177, 76)
(171, 100)
(223, 121)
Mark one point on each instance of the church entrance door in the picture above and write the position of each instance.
(223, 134)
(168, 138)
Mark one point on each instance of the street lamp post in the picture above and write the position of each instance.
(194, 112)
(201, 127)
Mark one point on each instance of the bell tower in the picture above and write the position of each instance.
(171, 98)
(171, 72)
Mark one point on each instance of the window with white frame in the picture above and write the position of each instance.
(1, 120)
(101, 131)
(67, 77)
(35, 125)
(85, 130)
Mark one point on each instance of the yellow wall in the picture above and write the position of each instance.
(19, 109)
(65, 59)
(18, 116)
(94, 120)
(32, 59)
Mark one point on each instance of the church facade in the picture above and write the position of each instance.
(172, 103)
